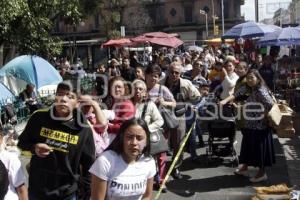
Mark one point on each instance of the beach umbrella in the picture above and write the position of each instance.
(284, 36)
(249, 30)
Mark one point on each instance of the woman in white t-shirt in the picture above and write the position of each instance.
(126, 169)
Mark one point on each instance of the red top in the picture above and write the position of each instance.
(123, 110)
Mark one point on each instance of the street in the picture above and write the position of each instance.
(216, 181)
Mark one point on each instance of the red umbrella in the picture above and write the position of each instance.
(158, 35)
(117, 43)
(159, 38)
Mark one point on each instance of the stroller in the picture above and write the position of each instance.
(221, 133)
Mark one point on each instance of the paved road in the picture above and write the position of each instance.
(216, 181)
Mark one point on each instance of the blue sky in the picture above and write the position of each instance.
(266, 8)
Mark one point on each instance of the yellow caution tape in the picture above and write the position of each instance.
(183, 142)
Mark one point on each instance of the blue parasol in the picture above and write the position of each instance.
(249, 30)
(285, 36)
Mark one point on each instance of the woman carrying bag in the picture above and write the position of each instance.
(148, 111)
(257, 148)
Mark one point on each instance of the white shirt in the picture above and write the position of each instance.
(124, 181)
(152, 115)
(15, 173)
(228, 85)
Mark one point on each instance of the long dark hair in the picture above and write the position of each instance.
(258, 76)
(118, 144)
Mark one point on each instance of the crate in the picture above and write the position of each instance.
(285, 133)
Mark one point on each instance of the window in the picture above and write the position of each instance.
(97, 21)
(188, 13)
(226, 9)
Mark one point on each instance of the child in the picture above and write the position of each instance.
(199, 108)
(97, 120)
(216, 75)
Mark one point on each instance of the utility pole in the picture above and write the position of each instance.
(202, 12)
(256, 11)
(222, 9)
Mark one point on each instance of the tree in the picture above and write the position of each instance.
(11, 10)
(130, 13)
(26, 25)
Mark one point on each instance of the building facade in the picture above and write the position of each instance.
(184, 17)
(282, 17)
(295, 11)
(172, 16)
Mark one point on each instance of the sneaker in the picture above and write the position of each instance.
(259, 179)
(241, 172)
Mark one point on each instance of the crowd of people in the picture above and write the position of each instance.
(84, 147)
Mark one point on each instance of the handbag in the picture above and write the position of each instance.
(158, 142)
(274, 116)
(170, 119)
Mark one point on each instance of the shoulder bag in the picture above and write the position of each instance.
(170, 120)
(158, 142)
(274, 116)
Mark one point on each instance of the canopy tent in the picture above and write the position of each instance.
(159, 38)
(285, 36)
(218, 41)
(117, 42)
(28, 69)
(249, 30)
(159, 35)
(5, 93)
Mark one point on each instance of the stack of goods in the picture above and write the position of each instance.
(286, 127)
(274, 192)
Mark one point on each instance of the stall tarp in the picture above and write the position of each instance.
(28, 69)
(117, 42)
(219, 41)
(159, 38)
